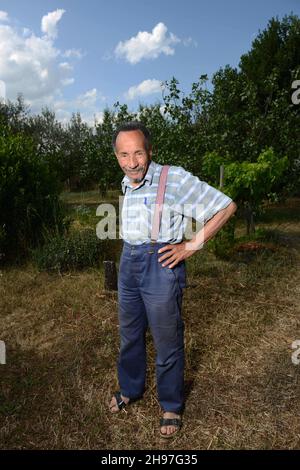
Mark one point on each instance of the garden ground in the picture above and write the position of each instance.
(242, 388)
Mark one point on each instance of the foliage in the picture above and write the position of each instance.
(77, 250)
(246, 121)
(253, 181)
(29, 195)
(248, 183)
(222, 243)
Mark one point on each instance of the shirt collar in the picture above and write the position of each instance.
(148, 177)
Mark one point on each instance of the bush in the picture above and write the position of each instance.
(29, 196)
(222, 243)
(77, 250)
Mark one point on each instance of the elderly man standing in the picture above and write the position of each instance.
(152, 272)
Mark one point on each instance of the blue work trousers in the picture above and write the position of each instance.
(151, 295)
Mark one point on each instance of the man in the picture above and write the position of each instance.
(151, 276)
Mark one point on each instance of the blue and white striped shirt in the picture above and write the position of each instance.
(186, 198)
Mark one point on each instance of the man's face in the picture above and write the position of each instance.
(132, 155)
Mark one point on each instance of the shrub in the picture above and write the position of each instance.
(222, 243)
(29, 196)
(78, 250)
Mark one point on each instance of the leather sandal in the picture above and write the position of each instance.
(120, 403)
(170, 422)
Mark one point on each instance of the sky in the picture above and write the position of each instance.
(85, 55)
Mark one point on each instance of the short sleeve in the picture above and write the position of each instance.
(197, 199)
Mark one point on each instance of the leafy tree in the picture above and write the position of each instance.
(29, 196)
(185, 142)
(248, 183)
(50, 137)
(15, 114)
(76, 153)
(106, 169)
(275, 49)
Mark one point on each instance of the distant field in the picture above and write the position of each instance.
(241, 317)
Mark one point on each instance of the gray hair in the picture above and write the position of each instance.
(133, 126)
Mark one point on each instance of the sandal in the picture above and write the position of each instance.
(120, 403)
(170, 422)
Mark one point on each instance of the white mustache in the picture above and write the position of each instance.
(135, 171)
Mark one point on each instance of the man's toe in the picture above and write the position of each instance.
(113, 405)
(167, 430)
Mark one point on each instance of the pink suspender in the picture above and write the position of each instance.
(159, 203)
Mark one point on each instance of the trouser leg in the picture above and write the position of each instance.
(162, 297)
(133, 325)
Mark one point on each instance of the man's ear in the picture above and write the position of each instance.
(150, 153)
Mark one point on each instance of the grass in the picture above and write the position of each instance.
(242, 389)
(81, 207)
(89, 197)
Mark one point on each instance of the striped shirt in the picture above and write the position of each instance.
(186, 198)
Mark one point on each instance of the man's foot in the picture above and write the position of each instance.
(169, 430)
(113, 404)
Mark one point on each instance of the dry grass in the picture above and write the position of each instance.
(242, 390)
(89, 197)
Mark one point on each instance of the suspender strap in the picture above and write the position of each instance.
(159, 203)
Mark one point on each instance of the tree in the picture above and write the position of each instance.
(185, 118)
(50, 136)
(29, 195)
(76, 153)
(248, 183)
(106, 169)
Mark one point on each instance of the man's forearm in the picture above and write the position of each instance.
(180, 251)
(211, 227)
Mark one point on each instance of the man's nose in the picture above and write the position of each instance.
(133, 162)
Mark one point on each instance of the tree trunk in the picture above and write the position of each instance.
(249, 216)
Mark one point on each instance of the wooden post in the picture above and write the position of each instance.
(221, 176)
(2, 353)
(110, 275)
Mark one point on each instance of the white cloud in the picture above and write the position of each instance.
(30, 65)
(87, 104)
(3, 16)
(2, 91)
(187, 41)
(34, 66)
(147, 45)
(26, 32)
(77, 53)
(49, 23)
(87, 100)
(68, 81)
(147, 87)
(162, 109)
(65, 66)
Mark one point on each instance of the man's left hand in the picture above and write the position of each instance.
(175, 254)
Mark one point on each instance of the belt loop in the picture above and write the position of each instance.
(151, 249)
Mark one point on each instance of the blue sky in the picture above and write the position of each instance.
(75, 55)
